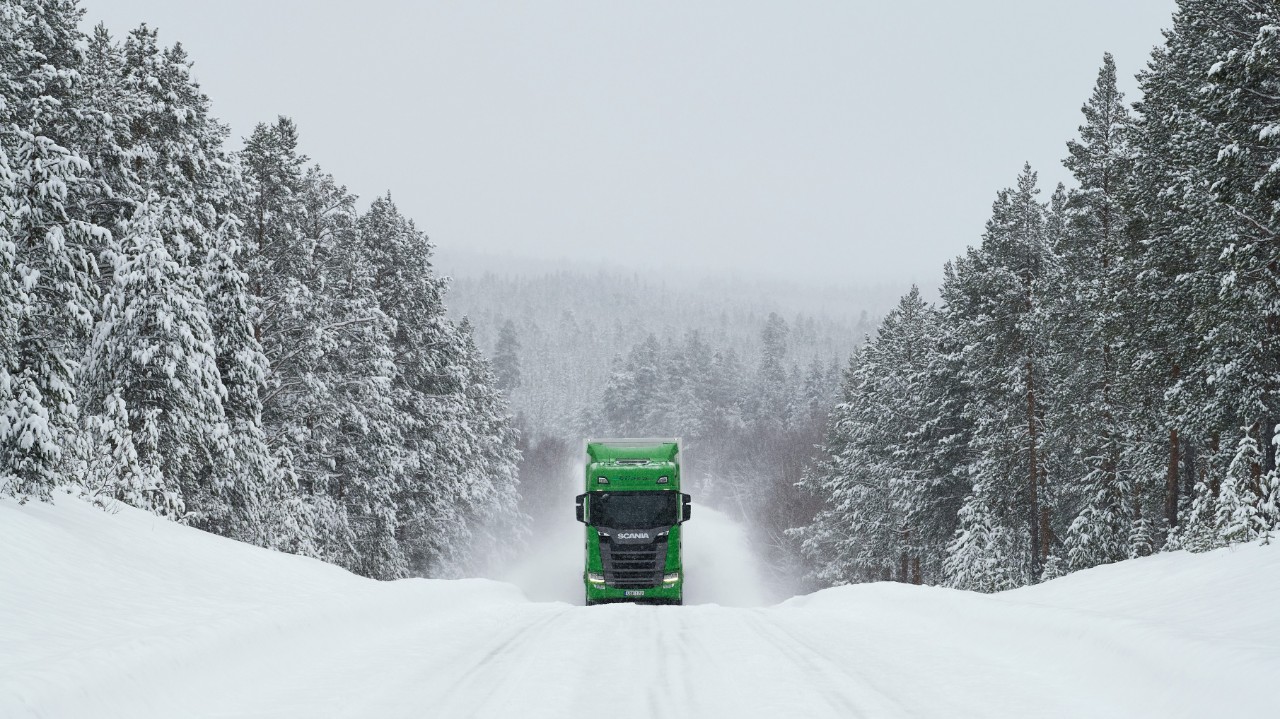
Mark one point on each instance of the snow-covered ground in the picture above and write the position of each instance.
(126, 615)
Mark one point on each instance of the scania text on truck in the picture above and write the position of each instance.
(633, 509)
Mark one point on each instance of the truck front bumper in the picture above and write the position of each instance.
(665, 594)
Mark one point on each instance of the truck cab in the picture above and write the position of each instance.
(633, 511)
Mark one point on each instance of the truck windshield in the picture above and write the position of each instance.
(635, 510)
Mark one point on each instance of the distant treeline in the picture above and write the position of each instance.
(572, 326)
(220, 337)
(1101, 378)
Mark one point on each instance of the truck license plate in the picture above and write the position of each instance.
(635, 592)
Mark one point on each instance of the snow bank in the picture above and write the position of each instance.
(101, 605)
(1225, 593)
(1175, 634)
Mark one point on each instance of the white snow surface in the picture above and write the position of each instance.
(127, 615)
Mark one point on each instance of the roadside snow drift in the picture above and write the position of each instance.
(126, 615)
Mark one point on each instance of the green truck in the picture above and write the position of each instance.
(633, 509)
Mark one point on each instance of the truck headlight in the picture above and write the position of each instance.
(671, 578)
(595, 578)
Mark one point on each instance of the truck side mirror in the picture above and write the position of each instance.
(685, 509)
(581, 509)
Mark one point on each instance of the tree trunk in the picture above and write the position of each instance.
(1046, 533)
(1033, 519)
(1268, 432)
(1188, 467)
(904, 562)
(1171, 477)
(1215, 480)
(1171, 481)
(1255, 468)
(1111, 456)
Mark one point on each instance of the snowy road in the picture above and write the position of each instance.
(128, 616)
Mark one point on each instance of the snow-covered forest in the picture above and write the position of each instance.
(1101, 376)
(218, 335)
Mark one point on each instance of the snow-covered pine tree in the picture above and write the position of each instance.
(1171, 287)
(364, 441)
(263, 507)
(885, 470)
(995, 301)
(11, 308)
(411, 298)
(492, 499)
(722, 418)
(853, 536)
(1063, 461)
(179, 143)
(770, 404)
(931, 436)
(633, 403)
(153, 358)
(108, 108)
(1242, 512)
(891, 492)
(290, 218)
(506, 358)
(977, 558)
(1092, 395)
(687, 382)
(772, 400)
(46, 247)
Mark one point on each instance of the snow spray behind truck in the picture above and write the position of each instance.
(633, 509)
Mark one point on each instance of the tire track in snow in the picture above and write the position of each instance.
(491, 676)
(726, 673)
(673, 643)
(870, 701)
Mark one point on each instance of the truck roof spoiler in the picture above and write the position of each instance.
(630, 448)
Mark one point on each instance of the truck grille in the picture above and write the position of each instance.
(633, 566)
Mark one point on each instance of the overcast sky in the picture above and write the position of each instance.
(825, 140)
